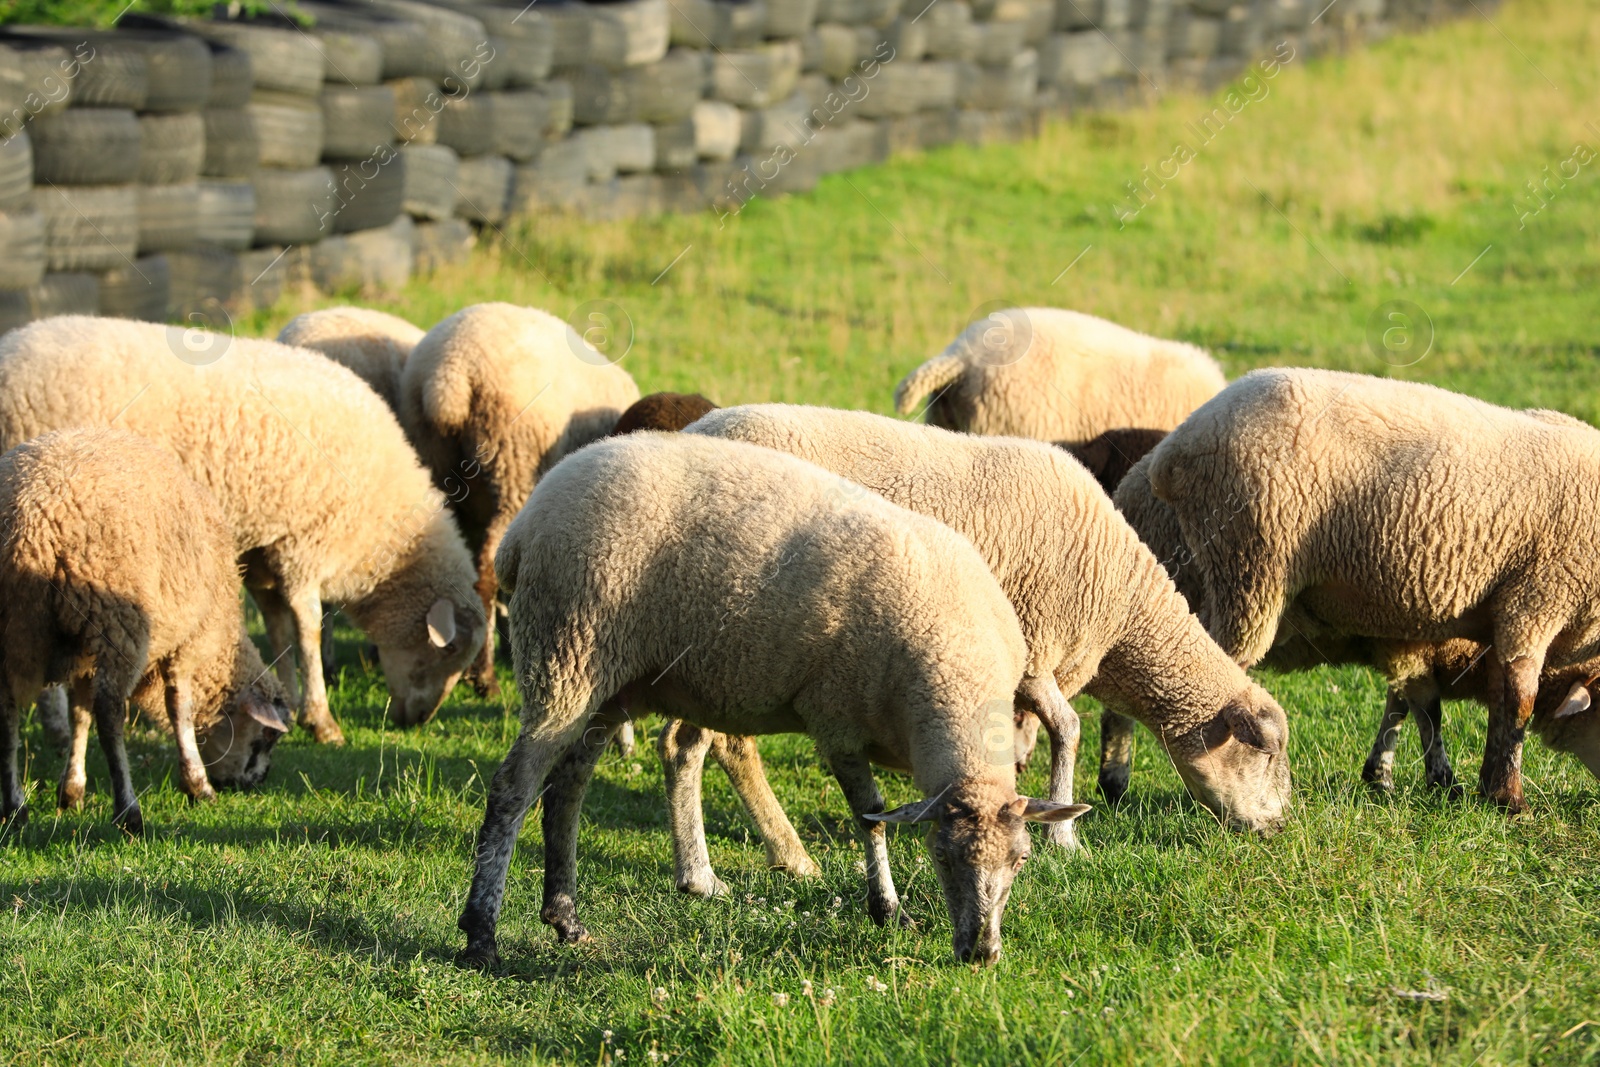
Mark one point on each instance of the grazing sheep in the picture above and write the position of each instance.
(1401, 513)
(373, 344)
(324, 495)
(662, 411)
(117, 578)
(1057, 375)
(493, 397)
(1095, 607)
(746, 591)
(1111, 455)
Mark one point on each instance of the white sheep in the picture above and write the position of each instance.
(324, 495)
(1097, 611)
(749, 592)
(493, 396)
(1056, 375)
(1404, 513)
(373, 344)
(117, 578)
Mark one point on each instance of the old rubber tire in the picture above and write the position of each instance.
(73, 293)
(416, 110)
(518, 118)
(141, 291)
(168, 219)
(284, 60)
(466, 123)
(89, 227)
(207, 287)
(172, 148)
(227, 214)
(86, 146)
(368, 194)
(179, 69)
(437, 244)
(232, 148)
(16, 170)
(266, 274)
(110, 73)
(356, 121)
(350, 58)
(376, 259)
(231, 77)
(293, 206)
(404, 43)
(483, 188)
(288, 129)
(430, 172)
(21, 248)
(42, 67)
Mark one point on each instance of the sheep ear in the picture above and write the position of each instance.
(264, 713)
(1033, 809)
(441, 623)
(1246, 729)
(916, 811)
(1577, 701)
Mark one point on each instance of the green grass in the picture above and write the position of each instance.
(313, 921)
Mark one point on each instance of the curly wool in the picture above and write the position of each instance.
(311, 469)
(1057, 375)
(494, 396)
(373, 344)
(780, 596)
(1096, 609)
(1387, 508)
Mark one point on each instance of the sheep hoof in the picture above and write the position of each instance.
(479, 957)
(1379, 779)
(1114, 785)
(486, 686)
(326, 732)
(708, 886)
(1446, 781)
(880, 912)
(801, 866)
(14, 817)
(1063, 835)
(131, 821)
(69, 796)
(204, 795)
(905, 920)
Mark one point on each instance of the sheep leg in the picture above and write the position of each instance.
(314, 714)
(683, 748)
(1514, 686)
(854, 776)
(54, 716)
(481, 675)
(13, 799)
(279, 621)
(1116, 754)
(75, 776)
(1044, 697)
(564, 789)
(741, 759)
(1430, 728)
(191, 768)
(110, 711)
(1378, 772)
(511, 794)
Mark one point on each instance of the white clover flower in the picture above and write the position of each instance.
(780, 999)
(659, 996)
(875, 985)
(805, 987)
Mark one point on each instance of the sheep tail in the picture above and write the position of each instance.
(930, 377)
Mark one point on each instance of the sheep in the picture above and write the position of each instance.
(662, 411)
(373, 344)
(117, 578)
(493, 397)
(1095, 607)
(747, 591)
(1399, 512)
(325, 497)
(1056, 375)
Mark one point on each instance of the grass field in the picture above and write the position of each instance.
(313, 921)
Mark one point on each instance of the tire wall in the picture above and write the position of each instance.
(377, 142)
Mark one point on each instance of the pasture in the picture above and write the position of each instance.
(313, 920)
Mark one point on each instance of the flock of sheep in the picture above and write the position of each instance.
(1088, 510)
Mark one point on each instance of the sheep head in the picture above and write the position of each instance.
(1237, 762)
(979, 841)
